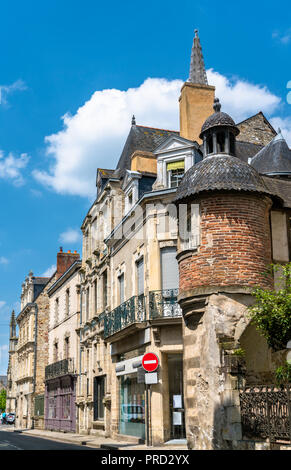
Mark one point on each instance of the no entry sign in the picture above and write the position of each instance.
(150, 362)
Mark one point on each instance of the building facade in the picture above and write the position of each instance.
(60, 373)
(134, 297)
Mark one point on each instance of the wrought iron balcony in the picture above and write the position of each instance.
(129, 312)
(164, 303)
(59, 368)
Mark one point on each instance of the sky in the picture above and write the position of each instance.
(72, 74)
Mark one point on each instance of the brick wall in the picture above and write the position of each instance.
(235, 246)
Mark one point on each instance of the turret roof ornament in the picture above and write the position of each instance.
(197, 67)
(216, 105)
(133, 122)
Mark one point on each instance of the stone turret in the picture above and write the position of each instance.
(217, 275)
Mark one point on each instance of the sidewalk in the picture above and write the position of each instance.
(96, 441)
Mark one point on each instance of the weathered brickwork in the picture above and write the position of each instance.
(235, 247)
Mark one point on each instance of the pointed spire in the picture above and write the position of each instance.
(12, 321)
(197, 67)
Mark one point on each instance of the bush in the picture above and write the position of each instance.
(283, 374)
(271, 313)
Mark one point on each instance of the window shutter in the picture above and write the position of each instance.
(170, 272)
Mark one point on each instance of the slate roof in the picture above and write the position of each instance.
(274, 158)
(280, 187)
(141, 138)
(221, 173)
(246, 150)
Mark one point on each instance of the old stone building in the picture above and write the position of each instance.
(12, 366)
(60, 373)
(232, 182)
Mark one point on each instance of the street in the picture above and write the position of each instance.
(10, 440)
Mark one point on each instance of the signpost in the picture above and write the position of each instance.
(150, 363)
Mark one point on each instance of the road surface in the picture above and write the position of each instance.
(10, 440)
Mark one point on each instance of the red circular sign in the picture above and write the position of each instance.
(150, 362)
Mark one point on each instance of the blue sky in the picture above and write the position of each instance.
(72, 73)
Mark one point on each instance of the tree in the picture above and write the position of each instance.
(271, 312)
(3, 400)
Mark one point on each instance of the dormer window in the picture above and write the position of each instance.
(175, 172)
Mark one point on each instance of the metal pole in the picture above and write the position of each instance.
(147, 417)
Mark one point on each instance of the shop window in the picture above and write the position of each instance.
(132, 406)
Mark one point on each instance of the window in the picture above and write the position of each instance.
(95, 297)
(220, 139)
(140, 276)
(105, 290)
(209, 145)
(56, 351)
(175, 172)
(56, 310)
(67, 302)
(121, 288)
(87, 302)
(99, 393)
(190, 237)
(231, 144)
(67, 347)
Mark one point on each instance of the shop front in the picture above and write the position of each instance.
(132, 411)
(60, 407)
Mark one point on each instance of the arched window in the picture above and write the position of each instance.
(220, 139)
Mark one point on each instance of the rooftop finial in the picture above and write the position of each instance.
(133, 120)
(279, 130)
(216, 105)
(197, 67)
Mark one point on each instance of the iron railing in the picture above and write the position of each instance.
(129, 312)
(266, 412)
(59, 368)
(164, 303)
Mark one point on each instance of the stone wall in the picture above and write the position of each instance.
(256, 130)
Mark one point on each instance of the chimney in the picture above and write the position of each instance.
(65, 260)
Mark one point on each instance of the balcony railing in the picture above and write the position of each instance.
(129, 312)
(161, 304)
(164, 303)
(59, 368)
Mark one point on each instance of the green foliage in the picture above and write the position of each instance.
(3, 400)
(240, 352)
(283, 374)
(271, 313)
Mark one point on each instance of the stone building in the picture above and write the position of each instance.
(134, 299)
(60, 373)
(12, 366)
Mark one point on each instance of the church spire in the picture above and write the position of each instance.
(197, 67)
(12, 325)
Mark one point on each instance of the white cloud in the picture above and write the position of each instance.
(3, 260)
(50, 271)
(2, 303)
(6, 90)
(240, 98)
(95, 135)
(70, 236)
(285, 125)
(282, 37)
(11, 166)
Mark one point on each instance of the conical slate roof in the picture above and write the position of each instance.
(274, 158)
(220, 173)
(197, 68)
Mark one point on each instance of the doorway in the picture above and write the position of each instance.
(177, 412)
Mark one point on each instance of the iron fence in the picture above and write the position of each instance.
(129, 312)
(266, 411)
(164, 303)
(59, 368)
